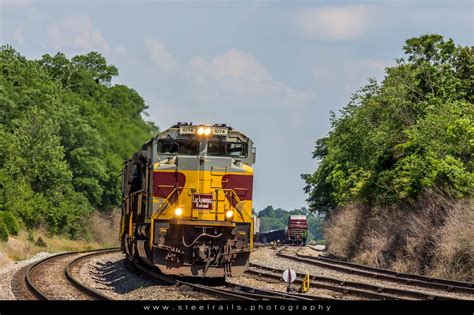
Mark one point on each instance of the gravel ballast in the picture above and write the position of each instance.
(108, 275)
(7, 273)
(267, 257)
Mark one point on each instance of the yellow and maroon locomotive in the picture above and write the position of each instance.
(187, 201)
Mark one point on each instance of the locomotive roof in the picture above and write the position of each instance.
(176, 131)
(297, 217)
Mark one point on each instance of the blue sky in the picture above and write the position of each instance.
(273, 69)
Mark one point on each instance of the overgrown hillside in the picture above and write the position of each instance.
(396, 176)
(64, 133)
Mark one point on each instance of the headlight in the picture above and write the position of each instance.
(178, 211)
(200, 130)
(229, 214)
(207, 131)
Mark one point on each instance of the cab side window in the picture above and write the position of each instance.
(237, 149)
(216, 148)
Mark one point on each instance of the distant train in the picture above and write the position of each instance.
(187, 201)
(295, 233)
(273, 236)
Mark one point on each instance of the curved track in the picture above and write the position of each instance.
(31, 282)
(227, 291)
(56, 277)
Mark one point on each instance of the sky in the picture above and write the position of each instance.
(271, 69)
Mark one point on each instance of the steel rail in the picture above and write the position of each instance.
(238, 292)
(197, 287)
(27, 278)
(451, 283)
(374, 275)
(68, 272)
(338, 285)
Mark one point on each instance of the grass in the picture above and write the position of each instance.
(432, 236)
(103, 229)
(340, 230)
(23, 246)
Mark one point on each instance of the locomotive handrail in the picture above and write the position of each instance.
(156, 214)
(239, 207)
(239, 202)
(213, 168)
(135, 193)
(127, 197)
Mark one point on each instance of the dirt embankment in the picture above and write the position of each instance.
(433, 236)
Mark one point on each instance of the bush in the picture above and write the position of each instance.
(40, 242)
(31, 238)
(10, 222)
(3, 232)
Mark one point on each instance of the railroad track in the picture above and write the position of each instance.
(455, 286)
(227, 291)
(381, 274)
(30, 283)
(353, 288)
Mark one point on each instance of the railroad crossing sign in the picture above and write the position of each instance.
(289, 276)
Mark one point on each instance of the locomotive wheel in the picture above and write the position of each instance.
(130, 248)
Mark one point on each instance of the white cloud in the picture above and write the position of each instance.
(78, 32)
(160, 55)
(333, 22)
(15, 4)
(233, 64)
(239, 75)
(232, 78)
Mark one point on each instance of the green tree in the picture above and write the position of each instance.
(65, 131)
(3, 232)
(10, 222)
(410, 133)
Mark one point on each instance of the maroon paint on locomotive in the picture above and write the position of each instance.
(165, 182)
(241, 184)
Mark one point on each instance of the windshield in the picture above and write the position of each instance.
(233, 149)
(181, 146)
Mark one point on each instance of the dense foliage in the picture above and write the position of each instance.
(3, 231)
(10, 222)
(274, 219)
(64, 133)
(411, 133)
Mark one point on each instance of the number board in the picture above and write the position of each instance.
(202, 201)
(219, 131)
(187, 130)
